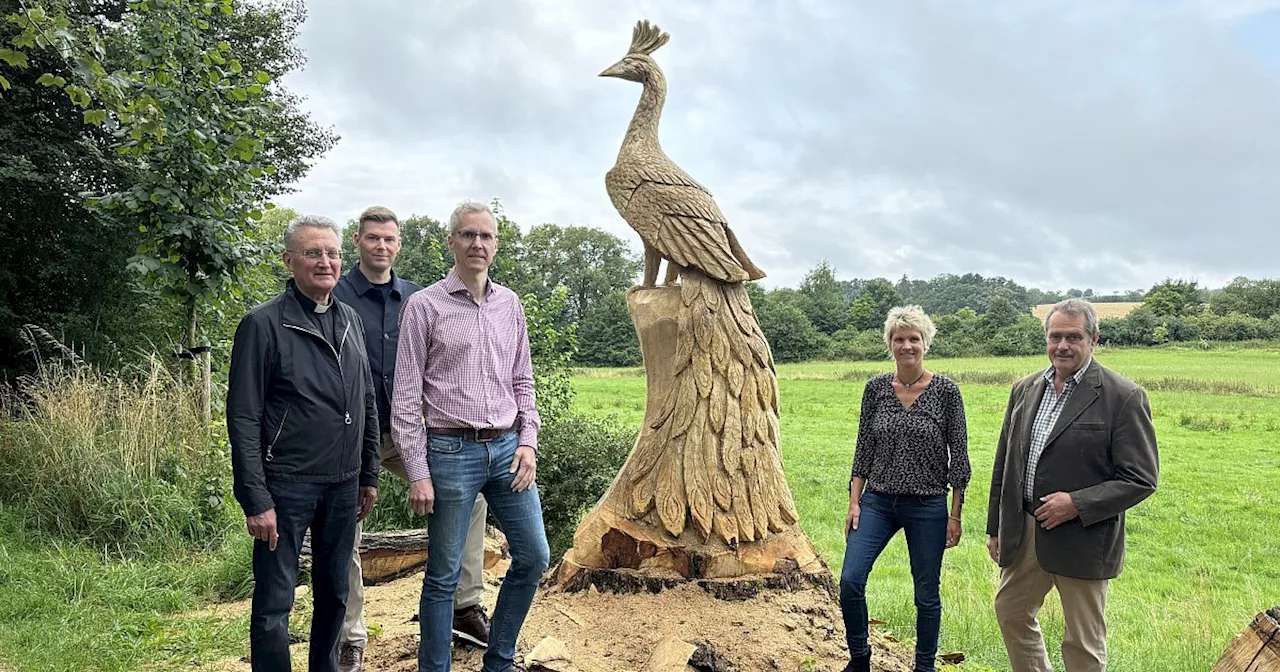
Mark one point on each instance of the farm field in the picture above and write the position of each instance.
(1104, 309)
(1203, 551)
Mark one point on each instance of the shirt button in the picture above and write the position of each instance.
(386, 336)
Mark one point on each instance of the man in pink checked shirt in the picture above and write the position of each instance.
(463, 417)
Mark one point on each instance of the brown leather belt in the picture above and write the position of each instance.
(469, 433)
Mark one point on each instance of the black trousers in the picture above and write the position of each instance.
(329, 509)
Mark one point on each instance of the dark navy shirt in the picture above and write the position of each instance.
(379, 309)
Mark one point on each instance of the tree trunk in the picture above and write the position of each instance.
(199, 367)
(1257, 649)
(703, 494)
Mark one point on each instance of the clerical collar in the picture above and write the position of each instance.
(311, 306)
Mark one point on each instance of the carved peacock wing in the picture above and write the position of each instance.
(677, 216)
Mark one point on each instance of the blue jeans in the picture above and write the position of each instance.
(459, 470)
(329, 509)
(924, 522)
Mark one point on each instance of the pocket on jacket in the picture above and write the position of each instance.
(1089, 426)
(274, 438)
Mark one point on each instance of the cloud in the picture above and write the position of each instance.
(1104, 145)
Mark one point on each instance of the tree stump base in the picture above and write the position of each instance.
(1257, 649)
(619, 555)
(572, 578)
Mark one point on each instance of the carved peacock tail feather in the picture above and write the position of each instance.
(711, 456)
(647, 38)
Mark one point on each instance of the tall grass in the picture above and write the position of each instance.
(119, 461)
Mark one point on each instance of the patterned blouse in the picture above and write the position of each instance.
(912, 451)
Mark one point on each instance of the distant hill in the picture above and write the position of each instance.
(1104, 309)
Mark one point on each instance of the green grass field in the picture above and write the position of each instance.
(1203, 552)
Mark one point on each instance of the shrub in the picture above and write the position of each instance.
(392, 512)
(578, 458)
(122, 462)
(792, 337)
(1024, 337)
(1232, 327)
(958, 335)
(866, 345)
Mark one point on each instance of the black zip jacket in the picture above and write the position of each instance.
(299, 408)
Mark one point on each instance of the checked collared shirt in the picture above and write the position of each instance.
(461, 364)
(1051, 405)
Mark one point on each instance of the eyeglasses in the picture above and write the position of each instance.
(312, 255)
(470, 236)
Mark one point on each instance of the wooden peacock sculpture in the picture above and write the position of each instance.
(706, 469)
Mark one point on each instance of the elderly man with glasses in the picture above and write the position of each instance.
(302, 419)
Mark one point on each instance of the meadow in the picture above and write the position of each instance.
(1203, 552)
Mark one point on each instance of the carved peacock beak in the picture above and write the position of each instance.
(614, 70)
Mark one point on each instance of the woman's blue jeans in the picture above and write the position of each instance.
(924, 522)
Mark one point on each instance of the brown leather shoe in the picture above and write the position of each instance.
(471, 625)
(350, 658)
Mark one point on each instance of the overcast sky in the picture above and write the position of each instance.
(1104, 144)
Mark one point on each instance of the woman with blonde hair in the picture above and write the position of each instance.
(912, 447)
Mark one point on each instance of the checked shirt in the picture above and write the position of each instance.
(1051, 405)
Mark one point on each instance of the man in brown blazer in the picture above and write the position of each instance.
(1077, 449)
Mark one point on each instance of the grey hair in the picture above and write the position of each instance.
(311, 221)
(1075, 307)
(909, 317)
(467, 208)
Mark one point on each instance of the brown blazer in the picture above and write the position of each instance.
(1102, 451)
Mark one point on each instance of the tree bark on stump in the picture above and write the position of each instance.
(1257, 649)
(702, 495)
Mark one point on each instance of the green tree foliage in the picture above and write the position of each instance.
(62, 266)
(872, 303)
(608, 335)
(590, 263)
(1174, 298)
(1000, 314)
(825, 303)
(1024, 336)
(851, 343)
(1256, 298)
(947, 293)
(425, 256)
(958, 334)
(553, 347)
(791, 335)
(180, 102)
(578, 458)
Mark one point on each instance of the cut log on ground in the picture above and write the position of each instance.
(385, 556)
(1257, 648)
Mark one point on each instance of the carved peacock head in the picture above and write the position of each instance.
(636, 66)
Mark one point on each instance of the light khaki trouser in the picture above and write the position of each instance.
(470, 584)
(1023, 586)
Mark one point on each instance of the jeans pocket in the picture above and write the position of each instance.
(447, 445)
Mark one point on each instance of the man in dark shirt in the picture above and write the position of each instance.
(377, 293)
